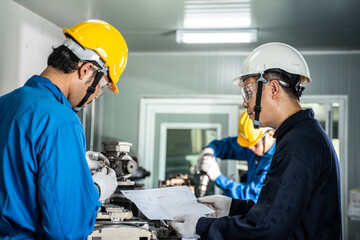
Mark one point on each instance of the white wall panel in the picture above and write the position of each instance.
(25, 43)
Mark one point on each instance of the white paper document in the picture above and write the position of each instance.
(166, 203)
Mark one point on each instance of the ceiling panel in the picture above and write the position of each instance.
(150, 25)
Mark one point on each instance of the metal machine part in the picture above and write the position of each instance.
(114, 213)
(118, 217)
(203, 183)
(116, 222)
(121, 231)
(120, 161)
(178, 180)
(203, 179)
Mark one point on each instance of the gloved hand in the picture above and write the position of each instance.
(186, 225)
(205, 152)
(211, 167)
(219, 203)
(96, 160)
(106, 182)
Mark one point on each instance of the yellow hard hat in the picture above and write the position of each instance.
(248, 135)
(106, 41)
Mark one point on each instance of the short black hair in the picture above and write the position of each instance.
(290, 81)
(63, 59)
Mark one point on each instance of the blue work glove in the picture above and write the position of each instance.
(106, 181)
(219, 203)
(185, 225)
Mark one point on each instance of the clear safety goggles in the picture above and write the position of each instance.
(249, 91)
(105, 86)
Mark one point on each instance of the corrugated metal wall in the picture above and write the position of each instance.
(169, 74)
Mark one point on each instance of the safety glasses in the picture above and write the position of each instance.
(249, 91)
(105, 86)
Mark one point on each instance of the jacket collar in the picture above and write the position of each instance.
(39, 82)
(292, 120)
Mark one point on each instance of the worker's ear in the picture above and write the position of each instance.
(85, 69)
(275, 88)
(270, 133)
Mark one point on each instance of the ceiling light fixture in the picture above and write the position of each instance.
(217, 14)
(216, 36)
(217, 20)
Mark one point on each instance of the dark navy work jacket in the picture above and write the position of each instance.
(300, 198)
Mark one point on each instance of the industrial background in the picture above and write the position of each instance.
(327, 33)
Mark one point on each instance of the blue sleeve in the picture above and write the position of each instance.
(228, 148)
(285, 188)
(241, 191)
(67, 195)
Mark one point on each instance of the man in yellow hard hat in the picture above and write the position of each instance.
(46, 188)
(256, 146)
(301, 197)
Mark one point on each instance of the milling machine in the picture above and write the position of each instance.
(118, 217)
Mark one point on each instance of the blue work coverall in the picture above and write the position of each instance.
(46, 188)
(300, 198)
(258, 166)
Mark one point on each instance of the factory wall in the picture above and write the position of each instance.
(171, 74)
(25, 43)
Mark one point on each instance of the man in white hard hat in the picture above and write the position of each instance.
(300, 198)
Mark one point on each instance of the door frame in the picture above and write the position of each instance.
(151, 106)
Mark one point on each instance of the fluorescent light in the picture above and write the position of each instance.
(217, 14)
(216, 36)
(217, 20)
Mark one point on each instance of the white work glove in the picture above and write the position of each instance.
(205, 152)
(106, 181)
(96, 160)
(186, 225)
(219, 203)
(211, 167)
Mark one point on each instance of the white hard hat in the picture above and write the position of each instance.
(275, 55)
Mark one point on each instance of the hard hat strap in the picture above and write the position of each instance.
(85, 54)
(257, 107)
(294, 80)
(89, 91)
